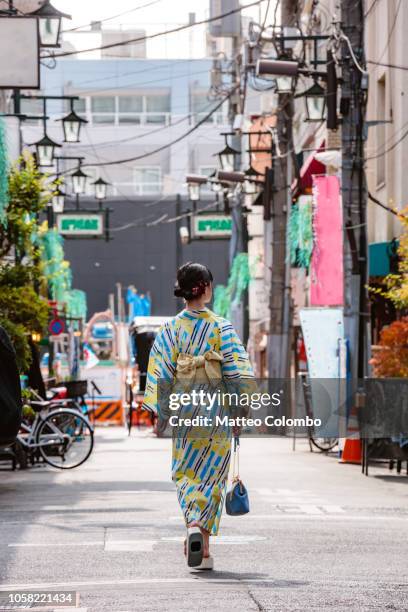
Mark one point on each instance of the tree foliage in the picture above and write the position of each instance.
(391, 357)
(23, 310)
(396, 285)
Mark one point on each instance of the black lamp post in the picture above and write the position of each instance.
(101, 189)
(194, 182)
(45, 149)
(227, 156)
(58, 201)
(79, 181)
(50, 20)
(251, 182)
(215, 185)
(315, 100)
(71, 124)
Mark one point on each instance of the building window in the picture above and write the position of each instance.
(380, 129)
(130, 109)
(80, 106)
(157, 108)
(147, 180)
(127, 109)
(103, 109)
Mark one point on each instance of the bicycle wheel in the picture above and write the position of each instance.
(324, 444)
(65, 439)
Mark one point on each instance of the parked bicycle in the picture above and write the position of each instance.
(322, 443)
(62, 437)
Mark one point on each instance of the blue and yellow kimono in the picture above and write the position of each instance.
(194, 345)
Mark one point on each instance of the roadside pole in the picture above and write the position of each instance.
(280, 294)
(354, 193)
(239, 234)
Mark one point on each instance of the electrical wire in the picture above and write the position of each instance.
(142, 83)
(391, 210)
(355, 60)
(369, 10)
(137, 8)
(131, 72)
(385, 65)
(391, 148)
(390, 33)
(169, 144)
(164, 33)
(162, 219)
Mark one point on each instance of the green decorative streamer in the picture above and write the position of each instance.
(305, 233)
(293, 234)
(227, 296)
(59, 275)
(300, 233)
(4, 170)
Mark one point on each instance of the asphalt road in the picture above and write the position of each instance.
(320, 536)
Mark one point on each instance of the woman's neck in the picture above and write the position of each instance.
(195, 305)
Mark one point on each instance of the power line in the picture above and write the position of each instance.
(385, 65)
(391, 148)
(145, 134)
(88, 92)
(169, 144)
(166, 32)
(390, 33)
(373, 5)
(384, 206)
(132, 72)
(137, 8)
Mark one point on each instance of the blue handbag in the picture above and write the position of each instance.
(237, 500)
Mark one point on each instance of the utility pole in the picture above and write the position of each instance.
(354, 193)
(239, 235)
(280, 293)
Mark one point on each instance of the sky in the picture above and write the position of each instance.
(160, 15)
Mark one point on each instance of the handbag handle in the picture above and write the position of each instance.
(235, 459)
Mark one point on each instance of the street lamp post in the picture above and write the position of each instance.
(71, 124)
(101, 190)
(45, 148)
(58, 201)
(194, 182)
(227, 156)
(79, 182)
(50, 20)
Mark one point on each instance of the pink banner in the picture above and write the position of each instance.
(327, 283)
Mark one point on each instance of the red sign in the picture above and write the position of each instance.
(56, 327)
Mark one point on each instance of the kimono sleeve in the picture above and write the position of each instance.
(235, 362)
(160, 371)
(237, 371)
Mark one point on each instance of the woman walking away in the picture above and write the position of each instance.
(196, 347)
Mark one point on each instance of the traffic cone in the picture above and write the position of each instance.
(352, 446)
(351, 451)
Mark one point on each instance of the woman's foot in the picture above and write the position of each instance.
(206, 540)
(195, 545)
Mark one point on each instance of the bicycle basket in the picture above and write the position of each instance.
(76, 388)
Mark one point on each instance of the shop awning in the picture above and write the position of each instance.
(310, 167)
(381, 257)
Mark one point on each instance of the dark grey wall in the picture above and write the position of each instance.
(142, 256)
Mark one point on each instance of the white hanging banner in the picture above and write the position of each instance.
(323, 333)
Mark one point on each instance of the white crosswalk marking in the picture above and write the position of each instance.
(130, 545)
(300, 500)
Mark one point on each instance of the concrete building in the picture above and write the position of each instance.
(387, 145)
(135, 106)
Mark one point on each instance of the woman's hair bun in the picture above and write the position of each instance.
(177, 291)
(192, 279)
